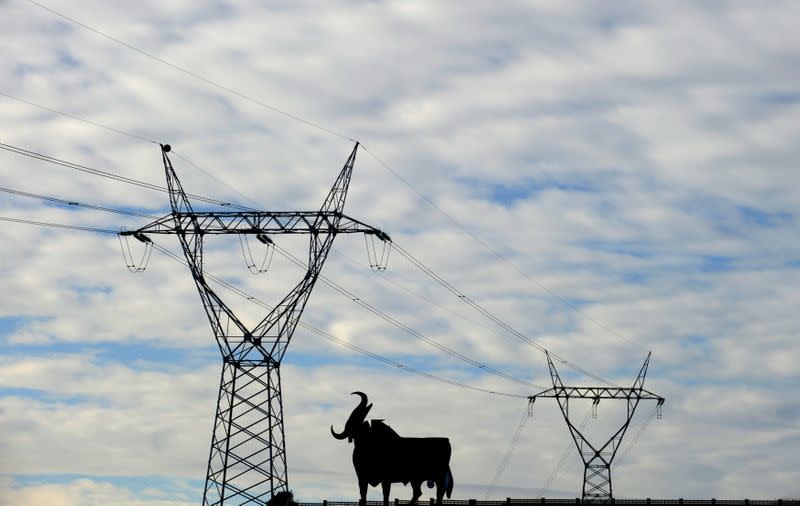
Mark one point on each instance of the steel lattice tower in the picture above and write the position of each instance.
(247, 460)
(597, 460)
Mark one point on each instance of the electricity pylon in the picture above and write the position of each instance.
(597, 460)
(247, 461)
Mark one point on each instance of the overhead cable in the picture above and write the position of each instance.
(636, 437)
(422, 337)
(110, 175)
(68, 115)
(336, 287)
(497, 254)
(428, 300)
(403, 252)
(427, 199)
(190, 73)
(295, 117)
(129, 134)
(76, 204)
(482, 310)
(408, 256)
(507, 457)
(557, 469)
(313, 329)
(342, 342)
(58, 225)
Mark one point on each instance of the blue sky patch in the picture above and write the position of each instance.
(45, 396)
(66, 59)
(508, 194)
(631, 249)
(186, 489)
(715, 263)
(128, 353)
(10, 323)
(21, 70)
(781, 98)
(634, 278)
(762, 218)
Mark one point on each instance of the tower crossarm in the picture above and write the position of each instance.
(572, 392)
(256, 222)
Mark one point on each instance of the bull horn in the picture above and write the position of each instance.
(338, 436)
(363, 399)
(360, 412)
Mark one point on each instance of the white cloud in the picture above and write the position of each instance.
(82, 492)
(637, 160)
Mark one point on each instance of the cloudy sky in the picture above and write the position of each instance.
(606, 178)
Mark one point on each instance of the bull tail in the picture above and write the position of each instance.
(448, 482)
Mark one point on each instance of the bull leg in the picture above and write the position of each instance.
(416, 486)
(439, 491)
(387, 488)
(362, 489)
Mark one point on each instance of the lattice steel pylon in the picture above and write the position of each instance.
(247, 460)
(597, 460)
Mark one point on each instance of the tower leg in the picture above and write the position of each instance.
(247, 462)
(597, 482)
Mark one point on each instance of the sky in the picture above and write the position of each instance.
(607, 178)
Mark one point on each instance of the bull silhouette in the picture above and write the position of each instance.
(381, 456)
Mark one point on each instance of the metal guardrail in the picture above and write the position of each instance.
(563, 502)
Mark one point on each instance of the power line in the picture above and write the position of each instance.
(134, 136)
(97, 172)
(430, 201)
(330, 283)
(428, 300)
(76, 204)
(342, 342)
(403, 252)
(129, 134)
(402, 179)
(422, 337)
(192, 74)
(255, 300)
(58, 225)
(72, 116)
(109, 175)
(494, 252)
(485, 312)
(215, 178)
(636, 437)
(546, 487)
(504, 462)
(408, 256)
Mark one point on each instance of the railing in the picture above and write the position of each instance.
(563, 502)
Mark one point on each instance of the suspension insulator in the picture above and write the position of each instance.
(131, 263)
(250, 261)
(378, 254)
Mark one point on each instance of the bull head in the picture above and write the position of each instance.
(357, 417)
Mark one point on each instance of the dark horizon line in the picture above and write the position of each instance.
(577, 500)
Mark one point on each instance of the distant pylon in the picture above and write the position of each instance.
(247, 460)
(597, 460)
